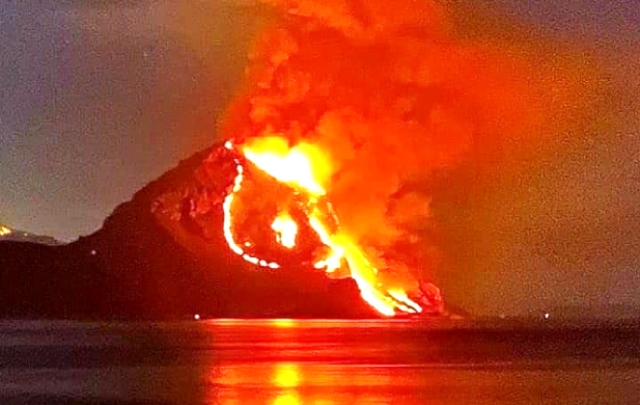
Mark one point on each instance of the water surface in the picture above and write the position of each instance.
(285, 362)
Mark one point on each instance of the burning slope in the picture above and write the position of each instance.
(296, 168)
(354, 105)
(324, 110)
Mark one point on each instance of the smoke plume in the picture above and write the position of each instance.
(397, 93)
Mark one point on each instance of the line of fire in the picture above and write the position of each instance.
(279, 182)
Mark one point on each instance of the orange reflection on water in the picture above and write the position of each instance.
(287, 399)
(287, 376)
(283, 323)
(282, 383)
(293, 362)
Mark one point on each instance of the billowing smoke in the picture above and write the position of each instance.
(398, 92)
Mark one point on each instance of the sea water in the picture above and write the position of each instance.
(323, 362)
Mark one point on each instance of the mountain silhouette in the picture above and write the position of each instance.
(162, 256)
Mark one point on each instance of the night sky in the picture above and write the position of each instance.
(98, 98)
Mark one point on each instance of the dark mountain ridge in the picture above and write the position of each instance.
(9, 234)
(162, 255)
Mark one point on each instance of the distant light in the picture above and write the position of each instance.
(196, 317)
(546, 315)
(4, 231)
(94, 252)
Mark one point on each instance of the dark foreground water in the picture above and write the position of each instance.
(237, 362)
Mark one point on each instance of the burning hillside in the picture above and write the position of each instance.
(347, 108)
(279, 222)
(303, 223)
(337, 119)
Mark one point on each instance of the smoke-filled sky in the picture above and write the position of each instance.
(98, 98)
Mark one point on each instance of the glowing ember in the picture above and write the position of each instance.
(299, 167)
(228, 234)
(286, 230)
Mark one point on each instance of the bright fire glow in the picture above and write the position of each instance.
(286, 230)
(292, 166)
(4, 231)
(300, 167)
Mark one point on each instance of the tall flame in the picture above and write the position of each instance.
(301, 167)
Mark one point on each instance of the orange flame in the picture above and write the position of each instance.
(300, 167)
(293, 166)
